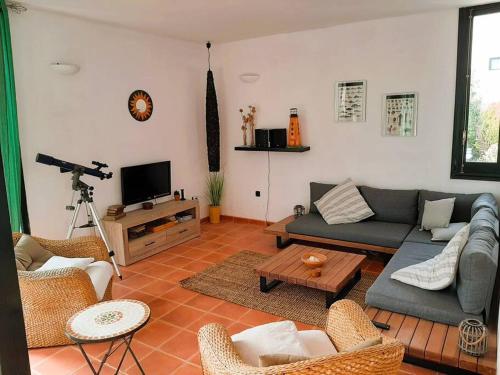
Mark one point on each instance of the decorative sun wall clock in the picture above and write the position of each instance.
(140, 105)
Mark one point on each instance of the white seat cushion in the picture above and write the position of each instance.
(317, 343)
(273, 338)
(446, 234)
(57, 262)
(439, 272)
(100, 273)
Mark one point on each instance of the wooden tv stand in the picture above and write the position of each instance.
(130, 250)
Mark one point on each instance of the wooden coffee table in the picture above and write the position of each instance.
(338, 275)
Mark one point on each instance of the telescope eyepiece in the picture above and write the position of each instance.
(99, 164)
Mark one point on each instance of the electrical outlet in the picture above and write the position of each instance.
(257, 193)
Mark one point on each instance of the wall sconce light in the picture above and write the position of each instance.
(65, 69)
(249, 77)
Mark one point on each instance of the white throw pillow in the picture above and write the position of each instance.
(343, 204)
(437, 214)
(100, 273)
(317, 343)
(446, 234)
(439, 272)
(273, 338)
(57, 262)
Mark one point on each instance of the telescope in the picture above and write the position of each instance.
(66, 166)
(86, 197)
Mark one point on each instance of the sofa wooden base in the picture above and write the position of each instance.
(283, 239)
(435, 345)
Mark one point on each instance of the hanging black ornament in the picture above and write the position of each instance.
(212, 121)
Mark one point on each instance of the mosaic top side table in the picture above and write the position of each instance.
(115, 321)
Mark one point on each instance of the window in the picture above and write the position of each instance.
(477, 100)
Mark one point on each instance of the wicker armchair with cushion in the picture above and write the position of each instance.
(219, 356)
(50, 298)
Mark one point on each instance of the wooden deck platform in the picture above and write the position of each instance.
(435, 343)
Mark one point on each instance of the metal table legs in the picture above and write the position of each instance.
(112, 348)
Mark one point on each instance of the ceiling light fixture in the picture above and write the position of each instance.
(65, 69)
(249, 77)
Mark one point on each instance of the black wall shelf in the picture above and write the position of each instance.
(273, 149)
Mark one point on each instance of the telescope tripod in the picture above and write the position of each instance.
(86, 193)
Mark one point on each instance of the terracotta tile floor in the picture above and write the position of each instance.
(167, 345)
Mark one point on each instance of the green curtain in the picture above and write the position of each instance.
(9, 134)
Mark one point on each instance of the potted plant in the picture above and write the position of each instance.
(215, 186)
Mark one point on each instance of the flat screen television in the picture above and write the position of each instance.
(144, 182)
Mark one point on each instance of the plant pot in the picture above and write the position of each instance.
(214, 214)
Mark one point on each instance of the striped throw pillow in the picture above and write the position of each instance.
(343, 204)
(439, 272)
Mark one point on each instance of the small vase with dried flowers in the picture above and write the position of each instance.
(248, 123)
(244, 127)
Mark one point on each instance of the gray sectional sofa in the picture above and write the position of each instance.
(395, 224)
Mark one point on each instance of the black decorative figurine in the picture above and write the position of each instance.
(212, 121)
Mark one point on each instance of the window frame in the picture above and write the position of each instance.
(460, 169)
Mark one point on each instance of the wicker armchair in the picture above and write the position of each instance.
(50, 298)
(219, 357)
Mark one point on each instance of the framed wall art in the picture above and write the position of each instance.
(350, 101)
(140, 105)
(400, 114)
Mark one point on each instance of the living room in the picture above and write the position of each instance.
(125, 84)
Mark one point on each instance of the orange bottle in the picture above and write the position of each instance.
(294, 129)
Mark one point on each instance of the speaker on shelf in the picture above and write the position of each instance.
(272, 138)
(262, 137)
(277, 138)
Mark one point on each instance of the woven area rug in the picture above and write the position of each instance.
(234, 280)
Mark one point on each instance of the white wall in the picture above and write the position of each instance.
(85, 117)
(414, 53)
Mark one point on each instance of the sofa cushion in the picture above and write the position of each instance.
(20, 266)
(57, 262)
(438, 272)
(317, 190)
(371, 232)
(437, 214)
(446, 234)
(478, 264)
(343, 204)
(272, 338)
(485, 200)
(30, 254)
(484, 219)
(392, 206)
(422, 236)
(440, 306)
(100, 273)
(461, 210)
(317, 343)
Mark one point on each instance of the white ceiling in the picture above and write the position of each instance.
(230, 20)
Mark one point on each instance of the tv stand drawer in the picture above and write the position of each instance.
(147, 242)
(181, 231)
